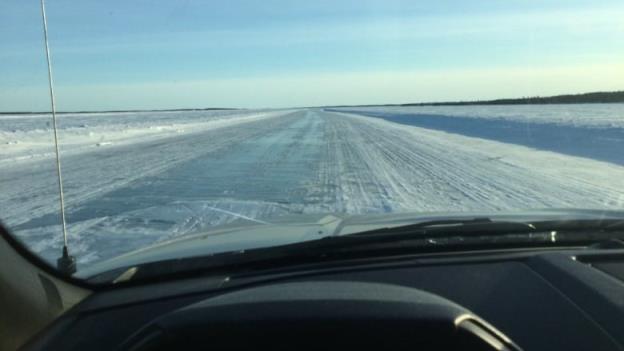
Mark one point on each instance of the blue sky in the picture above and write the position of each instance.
(173, 54)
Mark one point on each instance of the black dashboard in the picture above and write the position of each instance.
(550, 299)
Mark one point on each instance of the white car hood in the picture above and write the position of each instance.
(240, 236)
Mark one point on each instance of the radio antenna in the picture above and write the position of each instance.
(66, 264)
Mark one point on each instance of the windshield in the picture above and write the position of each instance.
(182, 118)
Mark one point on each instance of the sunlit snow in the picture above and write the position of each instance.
(134, 179)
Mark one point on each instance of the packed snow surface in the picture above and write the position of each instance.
(134, 179)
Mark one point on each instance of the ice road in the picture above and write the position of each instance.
(133, 180)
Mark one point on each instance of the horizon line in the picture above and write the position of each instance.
(498, 101)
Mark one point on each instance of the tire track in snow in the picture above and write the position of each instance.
(251, 170)
(29, 190)
(416, 169)
(310, 161)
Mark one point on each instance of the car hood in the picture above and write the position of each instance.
(241, 235)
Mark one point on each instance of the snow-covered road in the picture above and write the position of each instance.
(130, 195)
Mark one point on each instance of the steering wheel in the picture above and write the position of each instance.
(322, 315)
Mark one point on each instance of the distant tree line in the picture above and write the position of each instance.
(597, 97)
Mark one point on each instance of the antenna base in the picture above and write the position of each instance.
(66, 264)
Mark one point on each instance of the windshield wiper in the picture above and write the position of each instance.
(481, 225)
(430, 236)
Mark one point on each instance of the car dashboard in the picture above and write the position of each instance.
(541, 299)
